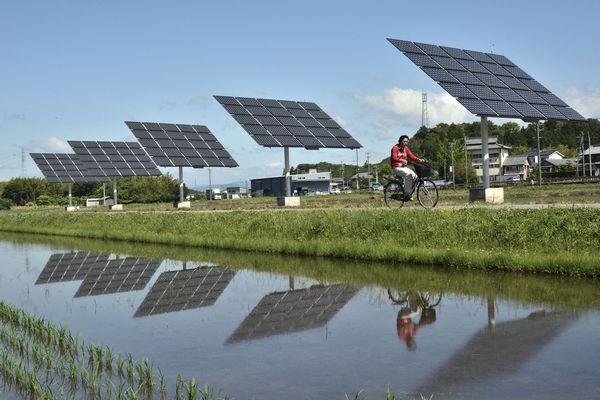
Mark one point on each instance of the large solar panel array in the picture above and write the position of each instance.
(293, 311)
(114, 159)
(64, 168)
(185, 289)
(120, 275)
(66, 267)
(284, 123)
(178, 145)
(487, 84)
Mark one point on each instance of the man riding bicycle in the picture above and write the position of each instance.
(400, 156)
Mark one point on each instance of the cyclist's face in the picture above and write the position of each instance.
(404, 142)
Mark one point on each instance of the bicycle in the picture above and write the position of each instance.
(427, 192)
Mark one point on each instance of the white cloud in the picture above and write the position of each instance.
(274, 164)
(407, 104)
(50, 145)
(584, 101)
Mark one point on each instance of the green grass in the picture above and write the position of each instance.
(551, 240)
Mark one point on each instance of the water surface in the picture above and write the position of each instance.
(271, 327)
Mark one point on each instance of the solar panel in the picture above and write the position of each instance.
(293, 311)
(284, 123)
(65, 267)
(64, 168)
(120, 275)
(165, 143)
(488, 85)
(185, 290)
(108, 159)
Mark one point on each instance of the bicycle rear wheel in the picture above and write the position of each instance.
(393, 195)
(427, 193)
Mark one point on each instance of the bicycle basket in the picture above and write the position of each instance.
(423, 170)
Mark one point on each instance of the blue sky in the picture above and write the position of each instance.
(75, 70)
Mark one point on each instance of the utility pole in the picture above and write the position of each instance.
(368, 171)
(537, 128)
(452, 157)
(582, 152)
(23, 162)
(590, 153)
(466, 163)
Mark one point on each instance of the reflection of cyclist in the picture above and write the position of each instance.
(399, 158)
(406, 327)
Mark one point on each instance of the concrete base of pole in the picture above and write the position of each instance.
(116, 207)
(489, 195)
(184, 204)
(288, 201)
(70, 208)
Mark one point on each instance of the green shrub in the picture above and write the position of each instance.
(5, 204)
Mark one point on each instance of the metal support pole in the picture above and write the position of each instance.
(70, 195)
(357, 174)
(537, 128)
(210, 189)
(485, 153)
(590, 154)
(115, 189)
(103, 193)
(180, 184)
(286, 172)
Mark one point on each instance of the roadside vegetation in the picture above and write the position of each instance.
(560, 241)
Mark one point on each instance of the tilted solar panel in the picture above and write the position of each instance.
(181, 145)
(285, 123)
(487, 84)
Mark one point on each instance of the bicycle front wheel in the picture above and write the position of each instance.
(427, 193)
(393, 195)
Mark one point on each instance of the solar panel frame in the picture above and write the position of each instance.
(170, 141)
(490, 84)
(289, 123)
(64, 168)
(109, 158)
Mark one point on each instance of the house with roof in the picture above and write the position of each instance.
(545, 155)
(498, 153)
(516, 168)
(591, 154)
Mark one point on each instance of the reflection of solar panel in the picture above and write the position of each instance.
(63, 168)
(186, 289)
(486, 84)
(65, 267)
(114, 158)
(121, 275)
(178, 145)
(292, 311)
(493, 354)
(283, 123)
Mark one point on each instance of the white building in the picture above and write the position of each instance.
(498, 153)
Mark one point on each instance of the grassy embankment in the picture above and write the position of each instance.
(550, 240)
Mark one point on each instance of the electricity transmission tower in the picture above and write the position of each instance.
(424, 116)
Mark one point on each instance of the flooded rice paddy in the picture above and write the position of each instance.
(271, 327)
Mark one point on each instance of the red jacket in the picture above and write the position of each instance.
(399, 156)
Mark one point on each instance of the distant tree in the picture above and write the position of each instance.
(147, 189)
(26, 190)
